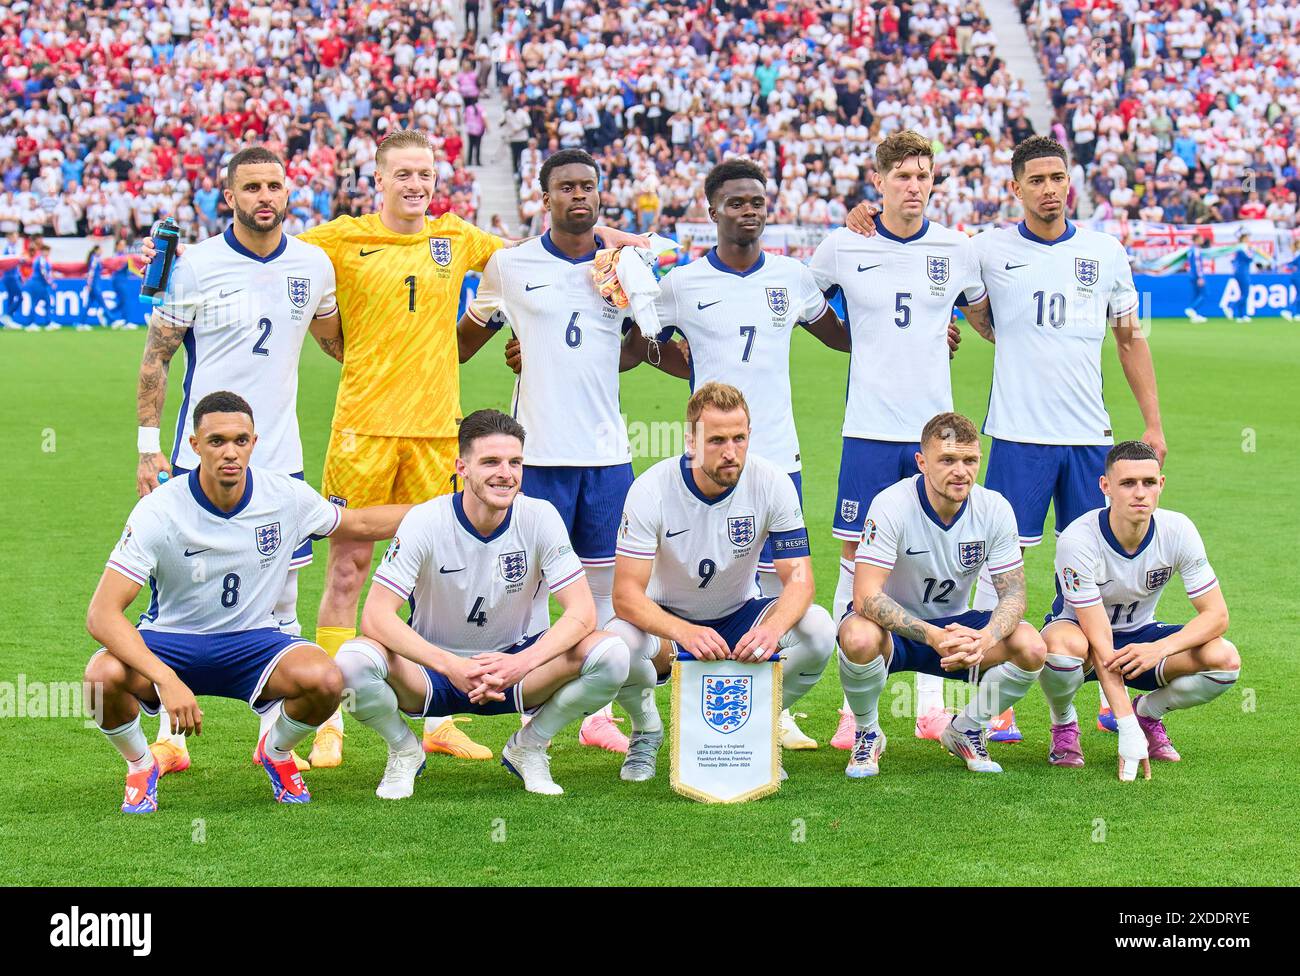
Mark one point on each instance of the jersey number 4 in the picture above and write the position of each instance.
(477, 616)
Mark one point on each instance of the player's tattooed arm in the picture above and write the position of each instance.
(980, 317)
(151, 389)
(1006, 616)
(329, 335)
(889, 615)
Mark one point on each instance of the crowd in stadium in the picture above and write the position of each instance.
(1179, 111)
(119, 113)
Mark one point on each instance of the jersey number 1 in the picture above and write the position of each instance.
(410, 286)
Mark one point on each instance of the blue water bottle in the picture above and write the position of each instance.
(166, 236)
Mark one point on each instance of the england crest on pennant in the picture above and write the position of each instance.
(740, 530)
(970, 554)
(299, 292)
(514, 566)
(937, 269)
(1157, 578)
(778, 300)
(268, 538)
(1085, 269)
(727, 701)
(440, 249)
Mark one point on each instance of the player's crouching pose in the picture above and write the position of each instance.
(1111, 566)
(923, 543)
(215, 547)
(693, 529)
(471, 564)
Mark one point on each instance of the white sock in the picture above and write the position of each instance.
(1000, 688)
(863, 684)
(1102, 703)
(285, 733)
(601, 581)
(267, 718)
(1061, 678)
(335, 721)
(843, 591)
(132, 743)
(769, 584)
(165, 733)
(929, 693)
(286, 606)
(805, 649)
(637, 696)
(1187, 691)
(374, 702)
(601, 676)
(431, 722)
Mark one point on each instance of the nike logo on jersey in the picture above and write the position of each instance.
(678, 532)
(1105, 582)
(535, 287)
(195, 552)
(227, 294)
(444, 569)
(1013, 267)
(701, 306)
(366, 254)
(868, 267)
(917, 552)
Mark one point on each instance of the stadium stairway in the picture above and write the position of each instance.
(496, 180)
(1014, 48)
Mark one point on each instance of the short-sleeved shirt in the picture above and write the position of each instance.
(899, 295)
(398, 295)
(933, 565)
(1093, 568)
(246, 318)
(471, 593)
(739, 326)
(1051, 303)
(215, 572)
(706, 550)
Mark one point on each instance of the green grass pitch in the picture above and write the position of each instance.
(1224, 815)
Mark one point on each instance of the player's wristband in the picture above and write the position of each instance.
(148, 441)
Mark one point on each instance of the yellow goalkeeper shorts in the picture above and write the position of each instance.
(363, 469)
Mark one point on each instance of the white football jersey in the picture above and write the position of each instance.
(933, 566)
(1050, 303)
(570, 338)
(471, 593)
(739, 327)
(705, 550)
(215, 572)
(1093, 568)
(247, 317)
(898, 298)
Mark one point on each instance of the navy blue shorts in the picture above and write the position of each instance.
(734, 626)
(1031, 475)
(234, 665)
(911, 655)
(301, 555)
(444, 698)
(1147, 680)
(866, 469)
(589, 500)
(765, 557)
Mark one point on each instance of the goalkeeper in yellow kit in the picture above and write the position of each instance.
(393, 437)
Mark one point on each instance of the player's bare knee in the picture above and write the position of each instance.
(1028, 649)
(860, 640)
(1221, 655)
(106, 672)
(1066, 639)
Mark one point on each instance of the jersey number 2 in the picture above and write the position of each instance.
(259, 347)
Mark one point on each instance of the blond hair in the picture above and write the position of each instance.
(719, 396)
(401, 139)
(896, 148)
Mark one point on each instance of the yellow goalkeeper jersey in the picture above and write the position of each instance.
(398, 295)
